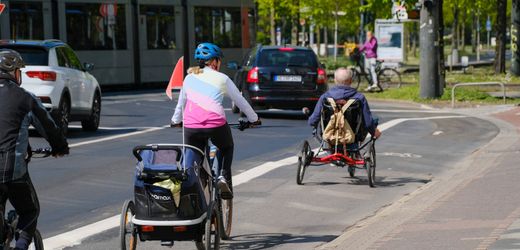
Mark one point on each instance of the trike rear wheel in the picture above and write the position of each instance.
(371, 165)
(304, 158)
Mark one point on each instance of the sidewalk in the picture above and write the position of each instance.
(475, 205)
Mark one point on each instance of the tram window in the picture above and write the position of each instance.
(94, 26)
(26, 19)
(221, 26)
(160, 26)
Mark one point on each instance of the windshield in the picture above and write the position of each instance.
(286, 58)
(34, 56)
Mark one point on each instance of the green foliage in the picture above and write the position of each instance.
(332, 65)
(411, 93)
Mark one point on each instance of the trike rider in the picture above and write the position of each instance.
(343, 91)
(18, 110)
(201, 97)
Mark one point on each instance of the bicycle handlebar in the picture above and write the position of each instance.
(241, 124)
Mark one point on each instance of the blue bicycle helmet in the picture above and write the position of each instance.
(207, 51)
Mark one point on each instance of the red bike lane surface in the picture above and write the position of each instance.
(511, 116)
(470, 208)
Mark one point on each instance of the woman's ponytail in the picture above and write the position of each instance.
(197, 69)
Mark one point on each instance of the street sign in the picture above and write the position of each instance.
(488, 25)
(108, 10)
(2, 7)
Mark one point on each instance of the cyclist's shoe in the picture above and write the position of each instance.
(372, 88)
(225, 191)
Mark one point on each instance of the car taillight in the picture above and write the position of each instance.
(322, 77)
(286, 49)
(42, 75)
(252, 75)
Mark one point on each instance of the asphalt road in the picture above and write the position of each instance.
(271, 211)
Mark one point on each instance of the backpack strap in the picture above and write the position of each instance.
(345, 107)
(332, 103)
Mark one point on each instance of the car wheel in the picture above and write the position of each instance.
(92, 123)
(62, 115)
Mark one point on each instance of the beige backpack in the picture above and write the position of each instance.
(338, 130)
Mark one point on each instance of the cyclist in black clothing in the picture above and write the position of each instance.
(18, 110)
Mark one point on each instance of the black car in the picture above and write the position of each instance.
(280, 77)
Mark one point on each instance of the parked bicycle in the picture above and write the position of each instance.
(386, 77)
(10, 220)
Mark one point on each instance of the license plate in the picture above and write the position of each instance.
(287, 78)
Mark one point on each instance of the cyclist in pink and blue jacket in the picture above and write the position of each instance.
(201, 99)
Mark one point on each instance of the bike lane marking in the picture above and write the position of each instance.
(74, 237)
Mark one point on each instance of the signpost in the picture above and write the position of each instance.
(109, 12)
(488, 29)
(2, 7)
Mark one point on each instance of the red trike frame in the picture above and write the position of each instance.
(338, 157)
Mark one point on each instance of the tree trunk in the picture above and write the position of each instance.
(454, 32)
(273, 24)
(326, 40)
(463, 32)
(500, 50)
(442, 64)
(318, 39)
(474, 32)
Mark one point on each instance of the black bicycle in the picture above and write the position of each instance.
(224, 206)
(10, 221)
(386, 77)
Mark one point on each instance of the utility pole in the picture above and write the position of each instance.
(515, 42)
(185, 40)
(429, 43)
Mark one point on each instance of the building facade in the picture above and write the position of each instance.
(132, 41)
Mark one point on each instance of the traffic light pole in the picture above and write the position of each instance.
(515, 42)
(429, 44)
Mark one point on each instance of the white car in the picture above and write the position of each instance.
(54, 74)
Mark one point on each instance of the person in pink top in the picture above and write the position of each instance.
(201, 99)
(370, 49)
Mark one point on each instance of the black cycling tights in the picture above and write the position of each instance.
(220, 137)
(23, 197)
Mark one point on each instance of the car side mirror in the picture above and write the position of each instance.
(88, 66)
(233, 65)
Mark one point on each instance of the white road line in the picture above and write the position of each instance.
(109, 138)
(74, 237)
(114, 128)
(408, 111)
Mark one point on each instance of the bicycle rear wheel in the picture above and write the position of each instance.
(226, 218)
(388, 78)
(356, 78)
